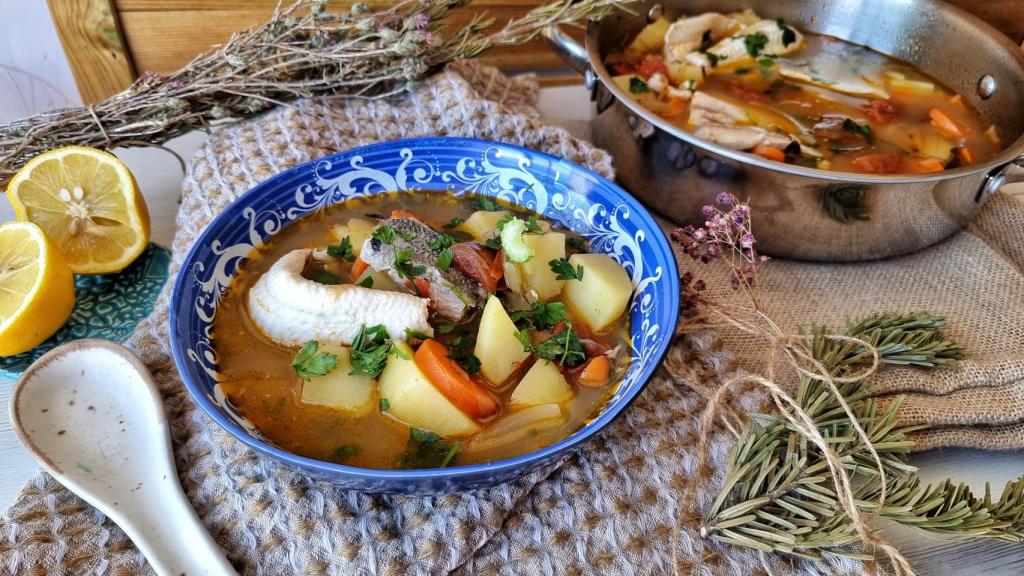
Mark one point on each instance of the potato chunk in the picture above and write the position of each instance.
(483, 225)
(543, 384)
(497, 347)
(534, 279)
(651, 38)
(339, 389)
(357, 229)
(412, 399)
(600, 298)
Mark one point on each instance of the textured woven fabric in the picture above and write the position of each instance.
(611, 509)
(975, 279)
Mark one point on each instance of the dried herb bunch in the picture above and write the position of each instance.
(777, 494)
(805, 479)
(302, 51)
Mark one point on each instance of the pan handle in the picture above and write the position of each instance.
(1009, 173)
(572, 52)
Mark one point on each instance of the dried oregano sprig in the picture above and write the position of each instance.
(778, 494)
(302, 51)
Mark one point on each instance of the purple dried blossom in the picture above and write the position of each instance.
(726, 230)
(726, 199)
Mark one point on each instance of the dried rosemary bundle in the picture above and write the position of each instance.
(778, 493)
(302, 51)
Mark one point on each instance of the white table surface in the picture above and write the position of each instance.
(159, 177)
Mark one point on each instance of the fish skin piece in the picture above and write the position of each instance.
(291, 310)
(453, 295)
(685, 35)
(733, 51)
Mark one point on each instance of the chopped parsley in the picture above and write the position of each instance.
(370, 350)
(366, 282)
(565, 348)
(444, 259)
(406, 269)
(714, 59)
(766, 61)
(385, 404)
(755, 43)
(706, 41)
(500, 224)
(742, 71)
(564, 271)
(576, 243)
(321, 276)
(427, 450)
(533, 226)
(788, 34)
(460, 349)
(342, 250)
(441, 241)
(638, 86)
(445, 327)
(412, 334)
(851, 125)
(493, 243)
(487, 204)
(384, 233)
(342, 453)
(454, 223)
(309, 363)
(542, 315)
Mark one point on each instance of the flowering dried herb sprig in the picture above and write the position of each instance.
(727, 234)
(303, 51)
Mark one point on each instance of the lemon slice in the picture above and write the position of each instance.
(37, 290)
(87, 202)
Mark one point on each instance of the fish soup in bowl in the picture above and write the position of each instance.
(424, 316)
(422, 330)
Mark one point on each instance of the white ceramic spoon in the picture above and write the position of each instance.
(91, 415)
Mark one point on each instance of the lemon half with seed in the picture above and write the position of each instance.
(88, 203)
(37, 289)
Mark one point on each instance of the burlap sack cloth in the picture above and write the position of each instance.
(611, 509)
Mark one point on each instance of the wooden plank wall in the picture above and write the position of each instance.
(109, 42)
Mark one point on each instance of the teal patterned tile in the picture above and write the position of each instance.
(107, 306)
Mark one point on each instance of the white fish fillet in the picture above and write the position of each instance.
(733, 51)
(716, 120)
(292, 310)
(705, 110)
(685, 35)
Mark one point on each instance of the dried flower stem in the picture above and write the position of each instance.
(303, 51)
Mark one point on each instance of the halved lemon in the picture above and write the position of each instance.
(37, 290)
(88, 203)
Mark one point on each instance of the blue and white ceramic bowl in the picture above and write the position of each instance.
(563, 192)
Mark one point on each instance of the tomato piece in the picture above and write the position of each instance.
(879, 163)
(451, 380)
(497, 270)
(881, 111)
(650, 66)
(403, 214)
(924, 165)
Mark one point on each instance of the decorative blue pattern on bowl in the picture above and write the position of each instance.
(107, 306)
(563, 192)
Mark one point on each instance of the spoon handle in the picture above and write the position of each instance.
(170, 535)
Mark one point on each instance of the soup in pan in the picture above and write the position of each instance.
(764, 87)
(421, 330)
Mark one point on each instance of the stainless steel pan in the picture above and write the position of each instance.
(801, 212)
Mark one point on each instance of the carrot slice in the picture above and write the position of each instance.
(966, 156)
(878, 163)
(596, 372)
(945, 124)
(451, 380)
(924, 165)
(497, 271)
(674, 107)
(403, 214)
(358, 267)
(769, 152)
